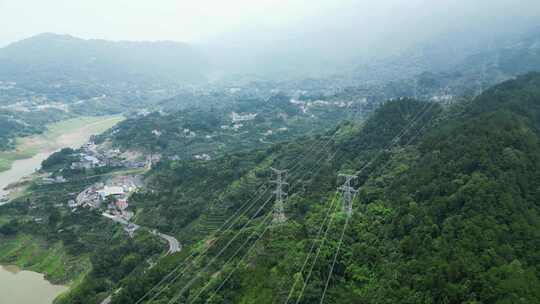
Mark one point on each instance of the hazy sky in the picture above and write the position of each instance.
(205, 20)
(179, 20)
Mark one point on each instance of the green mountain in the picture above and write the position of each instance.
(49, 77)
(488, 66)
(237, 125)
(446, 212)
(63, 59)
(450, 65)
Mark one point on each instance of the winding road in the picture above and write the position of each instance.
(174, 244)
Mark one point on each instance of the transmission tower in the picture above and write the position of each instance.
(482, 79)
(415, 88)
(348, 192)
(281, 195)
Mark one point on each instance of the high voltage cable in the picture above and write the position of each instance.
(330, 139)
(180, 274)
(268, 216)
(266, 189)
(235, 268)
(328, 212)
(347, 220)
(184, 263)
(335, 258)
(197, 275)
(184, 289)
(394, 141)
(401, 134)
(322, 156)
(315, 261)
(230, 274)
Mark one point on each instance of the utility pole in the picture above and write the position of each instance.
(348, 192)
(281, 195)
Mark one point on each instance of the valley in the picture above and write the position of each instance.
(342, 152)
(233, 223)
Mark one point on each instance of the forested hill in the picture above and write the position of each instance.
(231, 126)
(447, 212)
(51, 58)
(465, 218)
(453, 219)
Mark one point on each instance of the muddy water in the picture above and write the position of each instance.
(72, 138)
(20, 169)
(26, 287)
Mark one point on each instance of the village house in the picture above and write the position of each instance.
(110, 191)
(239, 117)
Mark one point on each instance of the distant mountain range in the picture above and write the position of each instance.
(456, 59)
(60, 58)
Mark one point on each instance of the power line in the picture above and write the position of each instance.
(177, 297)
(315, 260)
(279, 193)
(193, 280)
(184, 264)
(398, 137)
(329, 211)
(335, 258)
(213, 260)
(346, 188)
(234, 255)
(200, 256)
(230, 274)
(348, 192)
(279, 206)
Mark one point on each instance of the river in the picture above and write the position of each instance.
(21, 168)
(71, 133)
(26, 287)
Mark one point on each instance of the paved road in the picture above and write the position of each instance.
(174, 245)
(107, 300)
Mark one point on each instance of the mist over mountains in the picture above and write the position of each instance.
(62, 58)
(349, 151)
(65, 58)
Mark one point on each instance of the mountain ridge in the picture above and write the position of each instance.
(52, 57)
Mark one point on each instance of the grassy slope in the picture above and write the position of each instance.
(33, 254)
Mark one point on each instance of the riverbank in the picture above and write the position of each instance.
(48, 267)
(43, 263)
(31, 151)
(15, 283)
(33, 254)
(68, 133)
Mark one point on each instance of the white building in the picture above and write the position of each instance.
(239, 117)
(108, 191)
